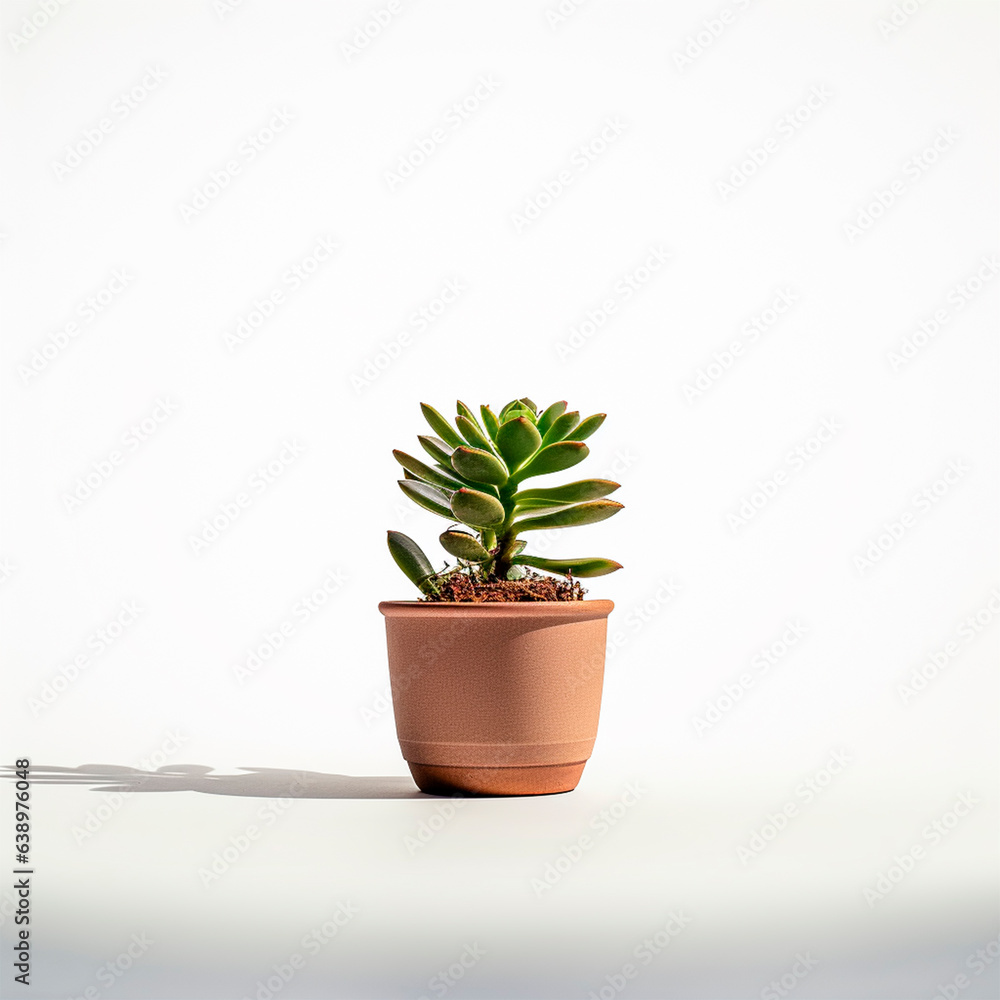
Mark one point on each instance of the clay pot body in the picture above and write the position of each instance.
(496, 698)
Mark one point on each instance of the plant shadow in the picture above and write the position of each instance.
(264, 782)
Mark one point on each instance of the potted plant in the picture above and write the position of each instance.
(496, 672)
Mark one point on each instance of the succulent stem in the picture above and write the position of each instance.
(506, 537)
(505, 558)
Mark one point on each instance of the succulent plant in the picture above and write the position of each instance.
(476, 481)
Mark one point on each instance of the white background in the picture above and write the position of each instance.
(883, 91)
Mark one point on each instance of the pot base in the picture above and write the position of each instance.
(545, 779)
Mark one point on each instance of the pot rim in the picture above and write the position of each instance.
(499, 609)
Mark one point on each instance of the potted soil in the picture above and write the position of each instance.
(496, 671)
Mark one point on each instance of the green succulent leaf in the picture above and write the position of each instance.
(490, 421)
(515, 573)
(561, 427)
(551, 414)
(583, 489)
(424, 472)
(479, 466)
(578, 567)
(472, 434)
(427, 496)
(518, 439)
(529, 404)
(568, 517)
(554, 458)
(519, 410)
(483, 438)
(538, 505)
(476, 509)
(411, 560)
(462, 481)
(588, 426)
(436, 448)
(440, 425)
(462, 545)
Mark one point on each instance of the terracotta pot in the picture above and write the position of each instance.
(496, 698)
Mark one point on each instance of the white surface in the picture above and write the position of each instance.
(159, 351)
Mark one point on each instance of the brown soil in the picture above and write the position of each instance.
(531, 587)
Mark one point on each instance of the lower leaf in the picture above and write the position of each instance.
(578, 567)
(410, 558)
(462, 545)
